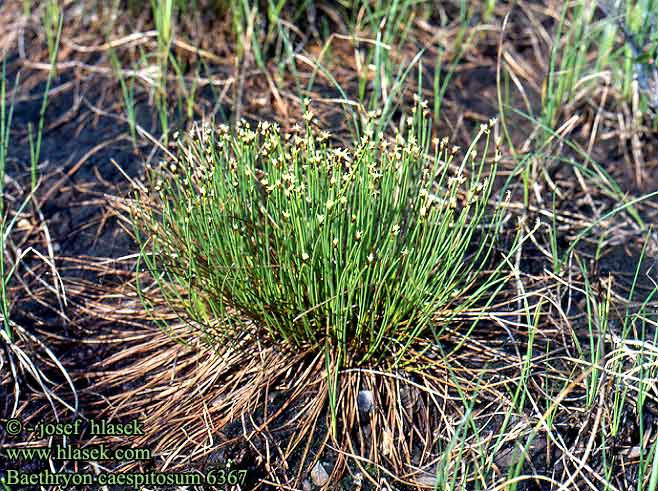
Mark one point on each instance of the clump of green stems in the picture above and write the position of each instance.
(20, 361)
(127, 85)
(354, 251)
(5, 126)
(578, 33)
(52, 20)
(7, 269)
(636, 20)
(163, 15)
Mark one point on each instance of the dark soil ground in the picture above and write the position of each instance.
(87, 162)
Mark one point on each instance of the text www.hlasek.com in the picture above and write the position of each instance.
(69, 452)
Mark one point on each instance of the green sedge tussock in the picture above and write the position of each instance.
(355, 249)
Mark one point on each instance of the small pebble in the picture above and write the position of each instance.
(365, 401)
(319, 475)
